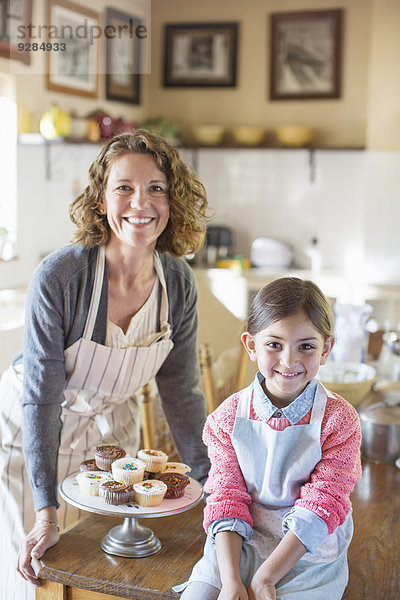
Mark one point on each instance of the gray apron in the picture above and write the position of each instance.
(275, 466)
(99, 407)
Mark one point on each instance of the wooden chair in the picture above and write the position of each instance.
(222, 376)
(155, 432)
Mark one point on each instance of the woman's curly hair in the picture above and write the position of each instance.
(185, 230)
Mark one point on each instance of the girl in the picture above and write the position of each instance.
(285, 456)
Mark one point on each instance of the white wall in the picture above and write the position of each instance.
(349, 199)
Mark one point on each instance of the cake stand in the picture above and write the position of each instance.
(130, 539)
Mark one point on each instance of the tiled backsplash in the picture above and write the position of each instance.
(348, 199)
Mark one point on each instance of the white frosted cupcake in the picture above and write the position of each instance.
(176, 467)
(89, 481)
(154, 460)
(128, 470)
(149, 492)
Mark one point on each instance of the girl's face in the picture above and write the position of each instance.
(288, 354)
(136, 200)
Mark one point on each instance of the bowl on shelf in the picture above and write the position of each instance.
(248, 135)
(294, 136)
(208, 135)
(351, 380)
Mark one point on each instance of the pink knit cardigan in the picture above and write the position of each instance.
(327, 493)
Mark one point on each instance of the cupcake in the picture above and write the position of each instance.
(154, 460)
(89, 481)
(115, 492)
(150, 492)
(176, 467)
(175, 482)
(89, 465)
(105, 455)
(128, 470)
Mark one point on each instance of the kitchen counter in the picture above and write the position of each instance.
(77, 569)
(234, 287)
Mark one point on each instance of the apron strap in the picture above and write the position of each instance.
(243, 407)
(164, 324)
(319, 404)
(96, 294)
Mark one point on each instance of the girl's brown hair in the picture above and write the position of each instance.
(287, 296)
(185, 230)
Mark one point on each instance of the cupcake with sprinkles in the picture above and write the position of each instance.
(154, 460)
(115, 492)
(89, 481)
(150, 492)
(176, 484)
(128, 470)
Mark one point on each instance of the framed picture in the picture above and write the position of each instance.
(72, 62)
(306, 50)
(200, 55)
(15, 17)
(123, 58)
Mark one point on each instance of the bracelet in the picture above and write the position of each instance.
(44, 522)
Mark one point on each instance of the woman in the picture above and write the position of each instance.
(104, 316)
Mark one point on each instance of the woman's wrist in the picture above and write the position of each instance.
(47, 514)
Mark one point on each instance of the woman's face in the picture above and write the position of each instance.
(136, 200)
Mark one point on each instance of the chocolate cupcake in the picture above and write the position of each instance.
(115, 492)
(104, 456)
(89, 465)
(176, 484)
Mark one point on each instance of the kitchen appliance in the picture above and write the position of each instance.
(269, 252)
(219, 243)
(380, 424)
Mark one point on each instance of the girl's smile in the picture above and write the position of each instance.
(289, 353)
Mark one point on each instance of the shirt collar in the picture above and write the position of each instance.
(293, 413)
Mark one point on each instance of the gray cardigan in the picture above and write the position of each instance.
(57, 305)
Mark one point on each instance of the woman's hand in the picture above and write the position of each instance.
(38, 540)
(234, 590)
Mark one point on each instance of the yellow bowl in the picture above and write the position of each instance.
(352, 381)
(248, 135)
(208, 135)
(294, 136)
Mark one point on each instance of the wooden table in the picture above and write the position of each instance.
(77, 569)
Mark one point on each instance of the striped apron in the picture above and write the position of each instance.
(99, 407)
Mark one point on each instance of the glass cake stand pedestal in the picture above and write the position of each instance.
(130, 539)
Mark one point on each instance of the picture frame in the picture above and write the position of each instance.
(306, 54)
(123, 58)
(73, 62)
(200, 54)
(15, 18)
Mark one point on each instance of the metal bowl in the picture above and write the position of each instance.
(380, 424)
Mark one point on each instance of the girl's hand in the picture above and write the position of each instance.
(234, 590)
(261, 590)
(38, 540)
